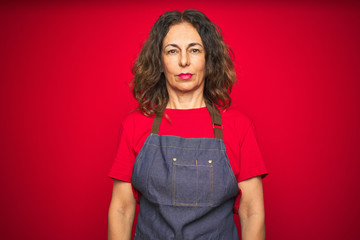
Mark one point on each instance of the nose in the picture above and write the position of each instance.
(184, 59)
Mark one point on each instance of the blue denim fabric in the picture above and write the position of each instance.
(188, 189)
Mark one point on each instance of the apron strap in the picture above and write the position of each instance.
(156, 123)
(215, 119)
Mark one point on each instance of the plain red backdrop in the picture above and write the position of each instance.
(64, 70)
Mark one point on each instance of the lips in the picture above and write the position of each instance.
(185, 75)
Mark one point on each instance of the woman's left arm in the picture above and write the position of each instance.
(251, 210)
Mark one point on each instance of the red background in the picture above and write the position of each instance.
(64, 69)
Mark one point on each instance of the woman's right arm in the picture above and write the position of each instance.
(121, 211)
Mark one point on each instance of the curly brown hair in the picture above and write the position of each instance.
(149, 83)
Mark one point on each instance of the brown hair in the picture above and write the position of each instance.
(149, 83)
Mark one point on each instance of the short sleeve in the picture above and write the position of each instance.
(125, 157)
(251, 163)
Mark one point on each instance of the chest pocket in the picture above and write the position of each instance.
(183, 176)
(192, 182)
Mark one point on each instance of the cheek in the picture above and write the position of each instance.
(200, 66)
(198, 63)
(169, 66)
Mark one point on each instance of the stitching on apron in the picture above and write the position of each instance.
(192, 204)
(147, 143)
(192, 165)
(174, 180)
(197, 183)
(231, 172)
(205, 149)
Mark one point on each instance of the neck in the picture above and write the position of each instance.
(186, 100)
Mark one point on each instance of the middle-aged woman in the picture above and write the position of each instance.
(184, 155)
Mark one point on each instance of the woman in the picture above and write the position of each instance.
(187, 169)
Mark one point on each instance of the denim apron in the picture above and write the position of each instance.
(187, 185)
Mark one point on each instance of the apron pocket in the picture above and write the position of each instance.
(192, 185)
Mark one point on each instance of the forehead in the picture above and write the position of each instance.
(182, 33)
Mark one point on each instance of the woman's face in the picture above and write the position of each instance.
(183, 58)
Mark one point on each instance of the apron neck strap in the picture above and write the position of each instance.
(215, 119)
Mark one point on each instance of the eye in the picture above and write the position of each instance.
(195, 50)
(172, 51)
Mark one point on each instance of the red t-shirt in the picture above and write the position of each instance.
(238, 135)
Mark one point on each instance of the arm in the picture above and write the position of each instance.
(121, 211)
(251, 210)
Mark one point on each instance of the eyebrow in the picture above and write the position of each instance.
(190, 45)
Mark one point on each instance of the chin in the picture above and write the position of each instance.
(188, 86)
(185, 87)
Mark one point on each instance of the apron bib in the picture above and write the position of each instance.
(187, 186)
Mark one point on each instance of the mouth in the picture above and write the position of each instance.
(185, 75)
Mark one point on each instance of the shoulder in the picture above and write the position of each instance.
(237, 117)
(235, 124)
(135, 117)
(135, 127)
